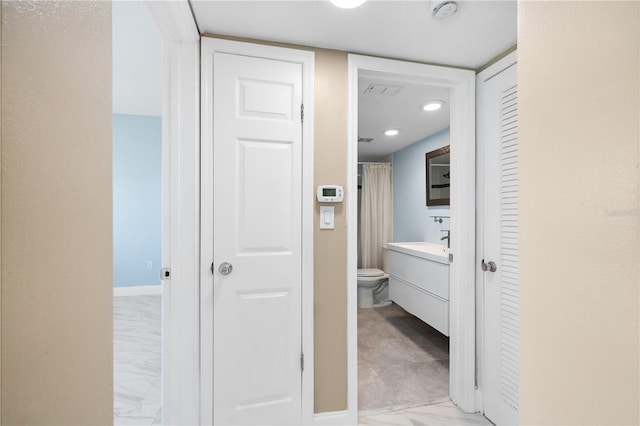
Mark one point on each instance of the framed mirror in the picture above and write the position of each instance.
(438, 177)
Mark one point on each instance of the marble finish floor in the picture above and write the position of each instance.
(403, 367)
(402, 361)
(137, 360)
(443, 414)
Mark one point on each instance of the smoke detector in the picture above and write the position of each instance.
(443, 9)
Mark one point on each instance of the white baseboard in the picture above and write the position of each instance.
(139, 290)
(332, 418)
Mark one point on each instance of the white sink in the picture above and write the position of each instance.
(435, 252)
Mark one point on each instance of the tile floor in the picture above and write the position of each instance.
(136, 360)
(402, 361)
(387, 337)
(443, 414)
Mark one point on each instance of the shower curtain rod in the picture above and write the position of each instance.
(374, 162)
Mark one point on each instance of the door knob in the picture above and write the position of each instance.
(490, 266)
(225, 268)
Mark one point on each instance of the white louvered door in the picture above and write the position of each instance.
(499, 115)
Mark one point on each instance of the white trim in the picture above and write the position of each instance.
(352, 239)
(495, 69)
(332, 418)
(138, 290)
(306, 59)
(174, 20)
(462, 274)
(180, 211)
(481, 79)
(181, 316)
(308, 206)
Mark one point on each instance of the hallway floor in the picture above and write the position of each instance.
(443, 414)
(403, 367)
(136, 360)
(402, 361)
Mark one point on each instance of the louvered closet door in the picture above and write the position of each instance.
(500, 386)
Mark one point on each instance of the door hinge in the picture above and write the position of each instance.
(211, 269)
(302, 113)
(165, 274)
(302, 362)
(450, 257)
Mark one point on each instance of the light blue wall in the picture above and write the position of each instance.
(137, 203)
(411, 215)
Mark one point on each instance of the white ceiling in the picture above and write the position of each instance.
(137, 60)
(477, 33)
(396, 29)
(376, 113)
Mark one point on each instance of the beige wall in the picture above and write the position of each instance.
(578, 77)
(330, 246)
(56, 213)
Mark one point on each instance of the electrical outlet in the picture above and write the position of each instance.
(149, 264)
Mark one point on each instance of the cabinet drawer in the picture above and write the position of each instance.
(428, 307)
(425, 274)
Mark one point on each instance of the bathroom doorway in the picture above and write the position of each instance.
(405, 359)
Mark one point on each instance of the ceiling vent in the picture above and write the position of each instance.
(381, 89)
(365, 140)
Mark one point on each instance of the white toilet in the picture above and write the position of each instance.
(369, 280)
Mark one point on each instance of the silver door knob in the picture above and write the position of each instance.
(225, 268)
(490, 266)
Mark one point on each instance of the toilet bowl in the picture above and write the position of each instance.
(368, 281)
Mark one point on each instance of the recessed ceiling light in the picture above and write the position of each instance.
(347, 4)
(391, 132)
(432, 105)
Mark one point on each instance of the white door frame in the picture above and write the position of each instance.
(481, 80)
(306, 59)
(180, 211)
(462, 318)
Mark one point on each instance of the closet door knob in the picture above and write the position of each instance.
(225, 268)
(490, 266)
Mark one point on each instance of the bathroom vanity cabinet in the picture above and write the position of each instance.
(419, 281)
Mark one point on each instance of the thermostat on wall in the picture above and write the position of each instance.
(329, 193)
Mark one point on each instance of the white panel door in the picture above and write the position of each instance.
(499, 112)
(257, 211)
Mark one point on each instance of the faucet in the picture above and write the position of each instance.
(448, 238)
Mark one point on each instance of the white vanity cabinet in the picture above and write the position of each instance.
(419, 281)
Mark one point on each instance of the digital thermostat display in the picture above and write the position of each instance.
(329, 194)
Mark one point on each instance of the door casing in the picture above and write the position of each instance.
(180, 210)
(462, 317)
(306, 59)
